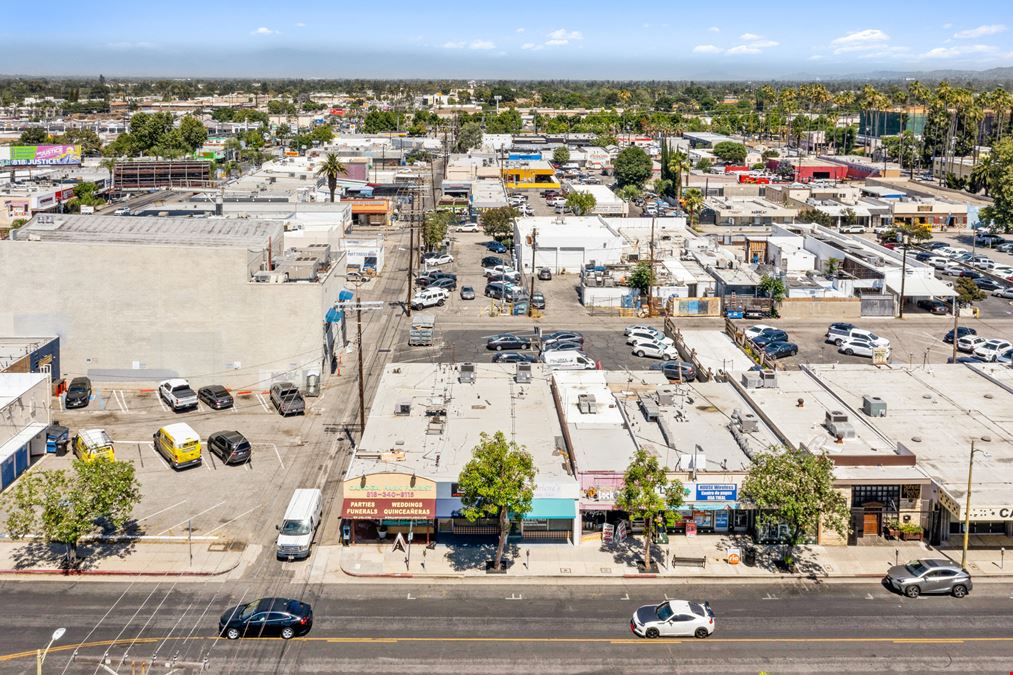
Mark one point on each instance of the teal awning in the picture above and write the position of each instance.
(551, 508)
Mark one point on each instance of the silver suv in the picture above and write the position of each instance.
(929, 576)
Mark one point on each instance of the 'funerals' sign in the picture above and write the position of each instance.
(389, 496)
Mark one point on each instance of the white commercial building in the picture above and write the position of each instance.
(566, 244)
(25, 401)
(140, 299)
(606, 201)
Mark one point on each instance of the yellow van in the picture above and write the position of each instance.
(90, 444)
(179, 444)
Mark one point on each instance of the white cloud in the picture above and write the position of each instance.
(531, 45)
(714, 29)
(520, 30)
(263, 30)
(749, 37)
(563, 37)
(954, 52)
(300, 24)
(119, 46)
(947, 25)
(860, 41)
(743, 49)
(482, 44)
(980, 31)
(454, 45)
(816, 57)
(707, 49)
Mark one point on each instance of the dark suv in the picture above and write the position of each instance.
(78, 393)
(230, 446)
(287, 399)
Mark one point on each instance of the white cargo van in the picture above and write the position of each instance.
(567, 360)
(302, 517)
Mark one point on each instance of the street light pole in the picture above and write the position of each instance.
(903, 274)
(967, 507)
(534, 249)
(40, 654)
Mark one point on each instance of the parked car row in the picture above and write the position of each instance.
(773, 341)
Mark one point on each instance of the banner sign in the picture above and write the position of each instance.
(39, 155)
(606, 533)
(389, 496)
(716, 492)
(621, 531)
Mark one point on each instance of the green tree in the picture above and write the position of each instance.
(581, 203)
(646, 494)
(498, 482)
(641, 278)
(62, 507)
(773, 288)
(633, 166)
(561, 155)
(469, 137)
(498, 222)
(629, 192)
(435, 227)
(193, 132)
(331, 169)
(968, 291)
(661, 186)
(33, 136)
(811, 215)
(85, 194)
(795, 488)
(109, 164)
(704, 164)
(692, 201)
(730, 153)
(1000, 182)
(604, 140)
(679, 167)
(90, 142)
(916, 231)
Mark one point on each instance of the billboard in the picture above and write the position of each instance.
(39, 155)
(389, 496)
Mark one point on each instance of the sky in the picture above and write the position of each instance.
(635, 39)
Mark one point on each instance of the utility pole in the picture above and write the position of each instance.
(967, 507)
(534, 249)
(650, 289)
(411, 254)
(903, 275)
(359, 307)
(956, 316)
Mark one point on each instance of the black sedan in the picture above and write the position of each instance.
(561, 336)
(215, 396)
(538, 300)
(779, 350)
(961, 332)
(267, 617)
(78, 393)
(986, 284)
(492, 261)
(767, 337)
(969, 273)
(563, 346)
(230, 446)
(513, 357)
(443, 282)
(507, 341)
(934, 306)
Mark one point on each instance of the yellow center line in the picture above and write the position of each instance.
(529, 640)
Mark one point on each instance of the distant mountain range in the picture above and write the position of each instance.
(1003, 74)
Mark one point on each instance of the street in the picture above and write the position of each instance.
(792, 626)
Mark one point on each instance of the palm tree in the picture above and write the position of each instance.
(692, 201)
(109, 163)
(678, 167)
(331, 169)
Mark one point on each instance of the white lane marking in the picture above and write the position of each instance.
(263, 403)
(121, 400)
(278, 455)
(152, 515)
(212, 531)
(514, 596)
(768, 596)
(410, 597)
(158, 396)
(626, 596)
(184, 522)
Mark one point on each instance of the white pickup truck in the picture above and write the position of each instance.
(177, 394)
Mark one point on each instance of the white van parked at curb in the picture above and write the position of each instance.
(302, 517)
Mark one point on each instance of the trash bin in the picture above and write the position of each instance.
(57, 438)
(749, 557)
(312, 385)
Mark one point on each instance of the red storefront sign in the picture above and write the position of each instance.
(388, 509)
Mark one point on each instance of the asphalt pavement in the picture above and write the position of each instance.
(797, 626)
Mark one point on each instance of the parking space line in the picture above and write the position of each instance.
(165, 408)
(184, 521)
(263, 402)
(122, 398)
(278, 455)
(151, 515)
(212, 531)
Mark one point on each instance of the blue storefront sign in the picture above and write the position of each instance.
(716, 492)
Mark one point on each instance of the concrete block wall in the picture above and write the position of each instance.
(831, 309)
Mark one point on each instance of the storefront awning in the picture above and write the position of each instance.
(551, 508)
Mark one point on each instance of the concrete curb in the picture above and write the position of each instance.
(113, 573)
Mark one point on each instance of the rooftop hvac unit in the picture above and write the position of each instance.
(666, 394)
(466, 375)
(749, 424)
(403, 408)
(523, 375)
(837, 424)
(751, 380)
(873, 406)
(587, 404)
(300, 267)
(266, 277)
(768, 379)
(321, 252)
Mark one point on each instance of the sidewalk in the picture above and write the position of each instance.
(114, 561)
(590, 560)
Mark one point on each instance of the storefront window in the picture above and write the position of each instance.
(888, 495)
(982, 527)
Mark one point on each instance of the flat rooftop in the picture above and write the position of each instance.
(13, 385)
(435, 436)
(600, 439)
(15, 348)
(716, 351)
(937, 412)
(151, 231)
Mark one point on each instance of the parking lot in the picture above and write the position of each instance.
(231, 503)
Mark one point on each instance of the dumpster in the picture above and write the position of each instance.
(57, 438)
